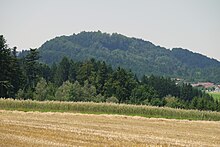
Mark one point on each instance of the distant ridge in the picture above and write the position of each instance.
(142, 57)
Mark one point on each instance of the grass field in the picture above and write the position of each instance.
(104, 108)
(19, 128)
(216, 95)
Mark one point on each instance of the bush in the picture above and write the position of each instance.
(99, 98)
(171, 101)
(63, 92)
(112, 100)
(156, 102)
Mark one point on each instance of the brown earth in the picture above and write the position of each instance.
(70, 129)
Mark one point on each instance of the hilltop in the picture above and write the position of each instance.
(142, 57)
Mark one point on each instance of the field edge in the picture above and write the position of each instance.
(106, 108)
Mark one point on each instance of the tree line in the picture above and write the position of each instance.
(91, 80)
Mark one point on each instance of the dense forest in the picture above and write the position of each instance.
(91, 80)
(142, 57)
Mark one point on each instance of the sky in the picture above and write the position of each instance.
(190, 24)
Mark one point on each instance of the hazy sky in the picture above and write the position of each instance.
(191, 24)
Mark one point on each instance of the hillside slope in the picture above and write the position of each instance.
(140, 56)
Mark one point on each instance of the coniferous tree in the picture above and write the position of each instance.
(142, 93)
(5, 59)
(102, 76)
(86, 72)
(72, 71)
(45, 72)
(17, 76)
(53, 69)
(62, 73)
(31, 69)
(120, 85)
(11, 75)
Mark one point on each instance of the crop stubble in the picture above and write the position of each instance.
(75, 129)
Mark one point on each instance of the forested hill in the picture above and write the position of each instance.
(142, 57)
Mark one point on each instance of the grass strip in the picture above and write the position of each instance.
(215, 95)
(108, 108)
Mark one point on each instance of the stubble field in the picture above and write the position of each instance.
(74, 129)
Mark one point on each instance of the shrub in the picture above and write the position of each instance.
(112, 100)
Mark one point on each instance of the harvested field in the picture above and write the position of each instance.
(74, 129)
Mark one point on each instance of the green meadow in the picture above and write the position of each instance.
(216, 95)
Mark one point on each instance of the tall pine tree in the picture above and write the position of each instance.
(10, 77)
(31, 69)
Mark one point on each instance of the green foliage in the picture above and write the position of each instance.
(215, 95)
(83, 93)
(11, 75)
(62, 72)
(143, 93)
(163, 86)
(44, 91)
(157, 102)
(172, 102)
(76, 92)
(100, 83)
(194, 60)
(204, 104)
(89, 91)
(63, 92)
(86, 72)
(105, 108)
(142, 57)
(41, 90)
(101, 77)
(112, 100)
(120, 84)
(25, 94)
(99, 98)
(96, 81)
(51, 90)
(31, 68)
